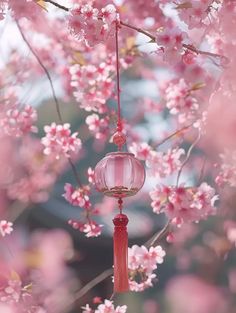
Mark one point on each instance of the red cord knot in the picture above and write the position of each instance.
(119, 139)
(120, 220)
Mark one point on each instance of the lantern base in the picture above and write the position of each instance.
(119, 192)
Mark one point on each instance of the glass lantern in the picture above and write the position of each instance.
(119, 175)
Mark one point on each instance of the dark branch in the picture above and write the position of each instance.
(62, 7)
(44, 69)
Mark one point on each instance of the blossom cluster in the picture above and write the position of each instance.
(160, 164)
(91, 24)
(99, 127)
(33, 173)
(17, 298)
(195, 13)
(59, 141)
(141, 263)
(181, 102)
(80, 197)
(227, 169)
(16, 123)
(106, 307)
(171, 41)
(92, 84)
(184, 204)
(77, 196)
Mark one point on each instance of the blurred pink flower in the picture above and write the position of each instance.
(190, 294)
(5, 228)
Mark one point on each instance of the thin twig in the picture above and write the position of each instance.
(53, 93)
(187, 157)
(158, 236)
(58, 5)
(93, 283)
(210, 54)
(202, 170)
(75, 173)
(189, 47)
(44, 69)
(173, 135)
(140, 30)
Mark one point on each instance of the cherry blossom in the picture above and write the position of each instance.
(98, 126)
(159, 164)
(33, 173)
(92, 25)
(59, 141)
(77, 196)
(184, 204)
(194, 13)
(171, 41)
(16, 123)
(106, 307)
(142, 262)
(91, 228)
(179, 100)
(93, 85)
(5, 228)
(91, 177)
(227, 169)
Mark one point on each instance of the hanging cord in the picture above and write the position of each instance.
(120, 203)
(119, 123)
(119, 137)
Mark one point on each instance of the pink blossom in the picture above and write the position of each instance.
(184, 204)
(180, 101)
(32, 173)
(231, 235)
(91, 24)
(143, 261)
(108, 307)
(77, 196)
(194, 13)
(99, 127)
(91, 177)
(171, 42)
(59, 141)
(162, 164)
(227, 169)
(16, 123)
(142, 150)
(92, 86)
(91, 228)
(5, 228)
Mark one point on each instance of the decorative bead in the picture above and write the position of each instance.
(120, 220)
(119, 139)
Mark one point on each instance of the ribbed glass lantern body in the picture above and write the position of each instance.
(119, 175)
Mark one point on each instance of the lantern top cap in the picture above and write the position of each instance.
(120, 153)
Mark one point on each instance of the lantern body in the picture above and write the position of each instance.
(119, 175)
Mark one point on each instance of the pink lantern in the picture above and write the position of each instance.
(119, 175)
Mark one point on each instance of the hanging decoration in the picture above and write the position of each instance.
(119, 175)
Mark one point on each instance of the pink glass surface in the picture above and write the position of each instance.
(119, 174)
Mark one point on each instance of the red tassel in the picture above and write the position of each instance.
(121, 281)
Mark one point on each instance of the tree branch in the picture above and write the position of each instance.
(152, 37)
(158, 236)
(187, 157)
(44, 69)
(173, 135)
(62, 7)
(53, 93)
(93, 283)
